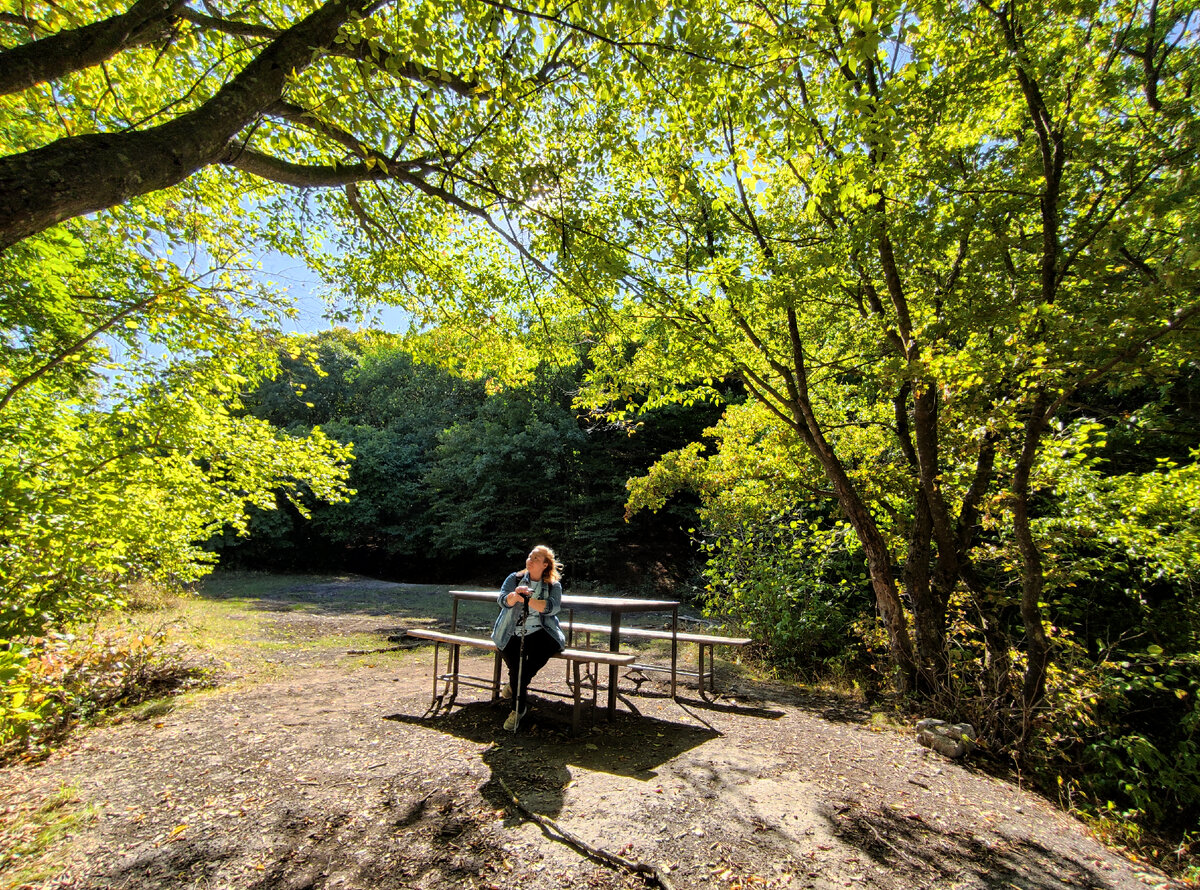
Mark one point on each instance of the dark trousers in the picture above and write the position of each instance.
(539, 648)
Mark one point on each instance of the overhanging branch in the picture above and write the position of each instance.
(301, 175)
(82, 174)
(52, 57)
(373, 54)
(228, 26)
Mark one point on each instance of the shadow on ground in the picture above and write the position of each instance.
(906, 843)
(535, 762)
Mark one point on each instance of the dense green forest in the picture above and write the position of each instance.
(453, 483)
(897, 302)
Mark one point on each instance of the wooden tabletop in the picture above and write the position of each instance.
(596, 603)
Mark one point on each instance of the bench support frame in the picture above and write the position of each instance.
(583, 672)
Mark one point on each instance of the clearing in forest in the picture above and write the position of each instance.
(308, 765)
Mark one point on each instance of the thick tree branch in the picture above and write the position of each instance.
(776, 403)
(229, 26)
(1050, 145)
(981, 481)
(83, 174)
(876, 305)
(59, 54)
(301, 175)
(1150, 68)
(903, 431)
(893, 282)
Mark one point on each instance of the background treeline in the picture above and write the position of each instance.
(454, 480)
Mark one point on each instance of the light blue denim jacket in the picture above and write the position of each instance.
(506, 621)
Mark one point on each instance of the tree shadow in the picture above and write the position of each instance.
(747, 696)
(162, 864)
(907, 844)
(535, 762)
(692, 700)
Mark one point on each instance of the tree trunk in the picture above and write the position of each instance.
(929, 610)
(83, 174)
(929, 606)
(887, 598)
(879, 562)
(879, 565)
(1038, 649)
(931, 515)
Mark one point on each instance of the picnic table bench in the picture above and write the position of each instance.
(586, 659)
(703, 641)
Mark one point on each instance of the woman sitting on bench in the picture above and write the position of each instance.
(526, 631)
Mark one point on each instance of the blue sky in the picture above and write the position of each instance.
(306, 289)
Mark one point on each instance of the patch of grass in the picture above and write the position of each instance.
(152, 710)
(147, 596)
(31, 835)
(247, 618)
(326, 594)
(836, 685)
(236, 630)
(245, 586)
(224, 628)
(891, 721)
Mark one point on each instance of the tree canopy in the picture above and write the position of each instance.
(948, 251)
(427, 97)
(149, 155)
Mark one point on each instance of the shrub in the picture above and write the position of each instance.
(1122, 745)
(796, 591)
(52, 683)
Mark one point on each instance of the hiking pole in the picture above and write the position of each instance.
(520, 664)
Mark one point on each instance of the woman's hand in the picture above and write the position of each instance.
(539, 605)
(514, 598)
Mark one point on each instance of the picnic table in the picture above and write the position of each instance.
(616, 606)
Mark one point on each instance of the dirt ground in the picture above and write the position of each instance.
(322, 773)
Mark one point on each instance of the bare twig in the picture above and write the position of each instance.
(891, 846)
